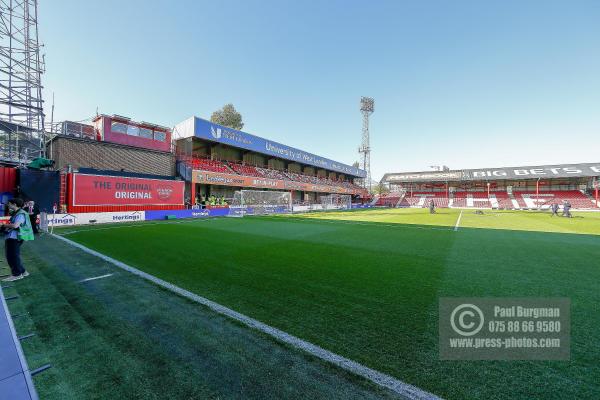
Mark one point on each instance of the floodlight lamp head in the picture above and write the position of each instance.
(367, 104)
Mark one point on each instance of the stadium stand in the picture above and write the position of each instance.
(527, 187)
(230, 167)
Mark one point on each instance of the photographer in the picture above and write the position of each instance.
(16, 232)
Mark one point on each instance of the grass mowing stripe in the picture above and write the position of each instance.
(139, 224)
(346, 222)
(379, 378)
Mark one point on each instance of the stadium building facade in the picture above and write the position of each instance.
(222, 160)
(529, 187)
(119, 165)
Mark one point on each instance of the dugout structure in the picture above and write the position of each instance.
(336, 202)
(260, 202)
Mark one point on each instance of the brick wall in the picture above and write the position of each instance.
(107, 156)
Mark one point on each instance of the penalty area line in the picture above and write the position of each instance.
(458, 221)
(407, 390)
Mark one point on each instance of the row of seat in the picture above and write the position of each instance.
(496, 199)
(206, 164)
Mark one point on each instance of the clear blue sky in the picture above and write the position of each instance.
(461, 83)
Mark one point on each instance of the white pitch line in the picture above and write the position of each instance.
(379, 378)
(96, 277)
(458, 221)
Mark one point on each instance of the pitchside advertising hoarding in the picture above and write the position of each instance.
(216, 133)
(508, 173)
(94, 218)
(214, 178)
(102, 190)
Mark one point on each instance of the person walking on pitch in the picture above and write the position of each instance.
(554, 209)
(431, 207)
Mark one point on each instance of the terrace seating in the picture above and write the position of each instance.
(387, 200)
(543, 198)
(471, 199)
(460, 199)
(504, 201)
(246, 170)
(205, 164)
(481, 200)
(422, 199)
(520, 201)
(271, 173)
(412, 201)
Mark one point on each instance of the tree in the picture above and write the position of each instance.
(381, 188)
(228, 116)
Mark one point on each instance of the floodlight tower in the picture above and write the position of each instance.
(367, 106)
(21, 69)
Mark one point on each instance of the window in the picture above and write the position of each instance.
(119, 127)
(133, 130)
(162, 136)
(146, 133)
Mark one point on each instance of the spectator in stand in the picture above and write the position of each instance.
(16, 232)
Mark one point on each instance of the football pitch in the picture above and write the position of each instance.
(365, 285)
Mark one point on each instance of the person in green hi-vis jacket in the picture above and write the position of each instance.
(16, 232)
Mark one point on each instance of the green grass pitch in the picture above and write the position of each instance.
(365, 284)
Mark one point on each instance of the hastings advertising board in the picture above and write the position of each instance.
(94, 218)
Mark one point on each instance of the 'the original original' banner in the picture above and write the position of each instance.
(102, 190)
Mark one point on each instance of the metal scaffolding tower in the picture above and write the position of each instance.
(367, 106)
(21, 69)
